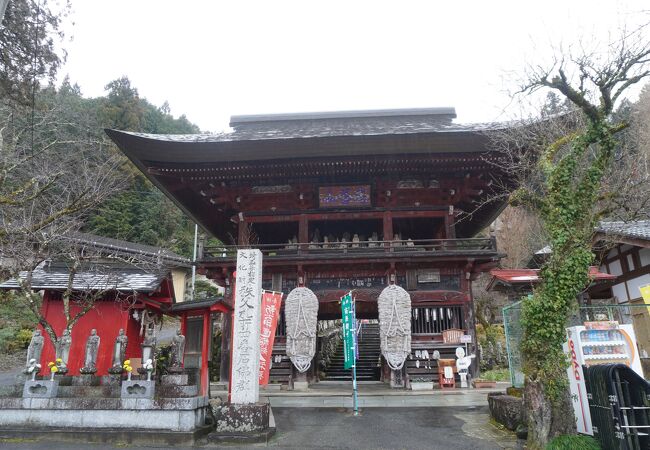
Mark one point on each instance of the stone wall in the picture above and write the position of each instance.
(506, 409)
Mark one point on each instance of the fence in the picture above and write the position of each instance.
(635, 314)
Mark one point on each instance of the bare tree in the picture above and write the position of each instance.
(574, 166)
(53, 172)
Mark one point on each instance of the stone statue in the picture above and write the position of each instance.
(92, 350)
(119, 352)
(63, 351)
(355, 241)
(373, 240)
(148, 348)
(177, 352)
(35, 348)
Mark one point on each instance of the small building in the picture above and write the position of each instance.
(624, 251)
(119, 293)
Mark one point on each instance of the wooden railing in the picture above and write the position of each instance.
(343, 249)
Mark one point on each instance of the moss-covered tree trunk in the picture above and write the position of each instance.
(572, 185)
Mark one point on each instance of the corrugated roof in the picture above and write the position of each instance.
(93, 278)
(639, 229)
(529, 277)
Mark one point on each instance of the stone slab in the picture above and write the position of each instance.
(111, 380)
(145, 419)
(116, 437)
(40, 389)
(138, 389)
(300, 385)
(86, 380)
(175, 379)
(170, 391)
(238, 419)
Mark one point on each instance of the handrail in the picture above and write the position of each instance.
(323, 248)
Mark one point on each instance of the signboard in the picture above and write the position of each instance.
(645, 293)
(429, 276)
(244, 383)
(271, 302)
(317, 284)
(343, 196)
(466, 339)
(602, 325)
(349, 331)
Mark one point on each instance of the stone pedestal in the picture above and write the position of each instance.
(397, 379)
(111, 380)
(40, 389)
(86, 380)
(138, 389)
(300, 383)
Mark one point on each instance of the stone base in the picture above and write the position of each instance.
(506, 409)
(241, 419)
(177, 379)
(86, 380)
(109, 415)
(253, 437)
(116, 370)
(111, 380)
(300, 385)
(396, 379)
(138, 389)
(41, 389)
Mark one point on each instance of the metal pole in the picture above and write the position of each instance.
(354, 366)
(196, 241)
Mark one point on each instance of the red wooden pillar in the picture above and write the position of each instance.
(388, 227)
(205, 348)
(243, 236)
(303, 233)
(184, 324)
(450, 227)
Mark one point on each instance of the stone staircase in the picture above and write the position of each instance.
(368, 365)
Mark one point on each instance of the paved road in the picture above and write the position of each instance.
(458, 428)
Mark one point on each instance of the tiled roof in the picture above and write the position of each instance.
(635, 230)
(160, 255)
(95, 277)
(291, 126)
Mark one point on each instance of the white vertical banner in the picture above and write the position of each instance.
(244, 380)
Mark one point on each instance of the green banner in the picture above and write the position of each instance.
(347, 314)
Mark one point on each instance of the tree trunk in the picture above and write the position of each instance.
(546, 419)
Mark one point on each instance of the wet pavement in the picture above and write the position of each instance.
(448, 428)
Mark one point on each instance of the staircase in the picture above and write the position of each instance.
(368, 365)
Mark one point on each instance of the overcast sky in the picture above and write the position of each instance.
(213, 59)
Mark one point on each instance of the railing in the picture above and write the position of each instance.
(415, 246)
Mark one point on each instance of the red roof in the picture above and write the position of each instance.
(531, 276)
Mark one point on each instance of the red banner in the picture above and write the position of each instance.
(271, 302)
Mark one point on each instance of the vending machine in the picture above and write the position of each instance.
(592, 344)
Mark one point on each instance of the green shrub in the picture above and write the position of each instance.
(573, 442)
(496, 375)
(23, 338)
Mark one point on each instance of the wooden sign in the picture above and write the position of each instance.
(344, 196)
